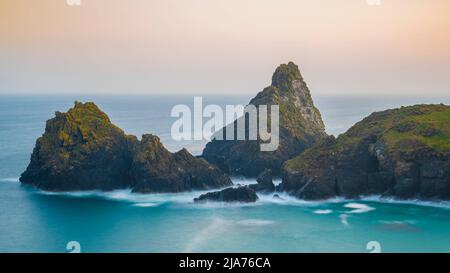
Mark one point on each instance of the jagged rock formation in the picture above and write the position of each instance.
(83, 150)
(242, 194)
(155, 169)
(265, 182)
(403, 153)
(301, 126)
(80, 150)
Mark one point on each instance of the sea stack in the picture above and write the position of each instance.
(82, 150)
(300, 121)
(402, 153)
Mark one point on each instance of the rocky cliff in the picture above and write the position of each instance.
(301, 126)
(83, 150)
(155, 169)
(402, 153)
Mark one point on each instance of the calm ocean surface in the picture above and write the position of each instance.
(35, 221)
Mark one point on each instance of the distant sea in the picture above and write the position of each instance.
(119, 221)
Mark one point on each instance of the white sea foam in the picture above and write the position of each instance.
(397, 222)
(255, 222)
(358, 208)
(9, 179)
(323, 211)
(344, 219)
(186, 198)
(239, 180)
(126, 196)
(146, 205)
(389, 200)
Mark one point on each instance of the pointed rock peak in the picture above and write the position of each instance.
(152, 144)
(86, 106)
(183, 151)
(184, 154)
(87, 111)
(285, 75)
(150, 141)
(150, 138)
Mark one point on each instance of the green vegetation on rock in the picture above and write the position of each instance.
(403, 152)
(83, 150)
(301, 126)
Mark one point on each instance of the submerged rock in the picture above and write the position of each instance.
(265, 182)
(241, 194)
(403, 153)
(83, 150)
(300, 121)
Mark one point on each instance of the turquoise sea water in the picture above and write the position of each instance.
(35, 221)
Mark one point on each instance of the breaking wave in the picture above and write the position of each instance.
(389, 200)
(283, 199)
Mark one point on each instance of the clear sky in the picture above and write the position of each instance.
(223, 46)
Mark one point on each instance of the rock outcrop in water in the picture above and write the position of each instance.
(301, 126)
(403, 153)
(83, 150)
(80, 150)
(243, 194)
(265, 182)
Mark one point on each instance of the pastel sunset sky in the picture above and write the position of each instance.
(223, 46)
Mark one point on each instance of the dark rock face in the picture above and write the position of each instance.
(80, 150)
(155, 169)
(265, 182)
(241, 194)
(301, 126)
(277, 197)
(404, 153)
(83, 150)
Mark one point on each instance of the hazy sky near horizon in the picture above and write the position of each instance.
(224, 46)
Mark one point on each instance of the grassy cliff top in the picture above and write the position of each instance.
(82, 127)
(87, 113)
(402, 130)
(425, 124)
(87, 120)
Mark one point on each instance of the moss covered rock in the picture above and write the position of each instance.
(301, 126)
(403, 153)
(80, 150)
(83, 150)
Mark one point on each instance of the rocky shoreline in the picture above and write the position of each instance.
(402, 153)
